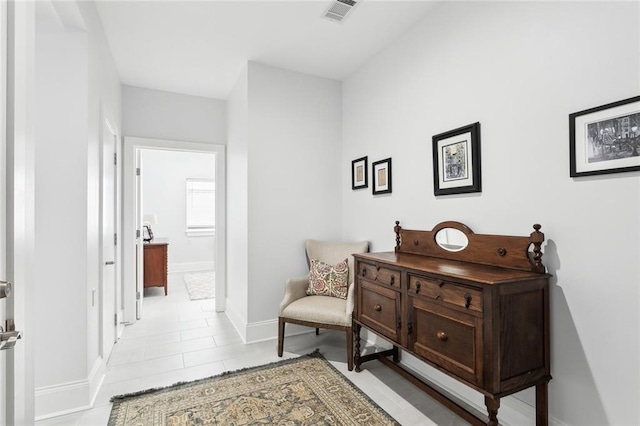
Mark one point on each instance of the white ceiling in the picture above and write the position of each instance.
(200, 47)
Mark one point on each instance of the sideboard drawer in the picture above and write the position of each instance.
(446, 292)
(379, 308)
(448, 338)
(379, 274)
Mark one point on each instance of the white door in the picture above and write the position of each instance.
(109, 249)
(139, 236)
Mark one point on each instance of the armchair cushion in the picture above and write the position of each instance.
(319, 309)
(328, 280)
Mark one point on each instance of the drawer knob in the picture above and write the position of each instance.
(377, 308)
(416, 242)
(418, 285)
(364, 272)
(502, 252)
(393, 279)
(467, 300)
(442, 336)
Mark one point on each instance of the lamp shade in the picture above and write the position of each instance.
(150, 218)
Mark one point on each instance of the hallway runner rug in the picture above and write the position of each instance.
(303, 391)
(200, 285)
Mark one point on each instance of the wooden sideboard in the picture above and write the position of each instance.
(155, 264)
(478, 313)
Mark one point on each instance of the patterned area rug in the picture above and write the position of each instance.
(300, 391)
(200, 285)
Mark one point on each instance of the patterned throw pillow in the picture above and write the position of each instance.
(327, 280)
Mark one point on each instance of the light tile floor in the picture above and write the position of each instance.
(181, 340)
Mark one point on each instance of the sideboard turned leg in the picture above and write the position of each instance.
(356, 352)
(492, 409)
(542, 404)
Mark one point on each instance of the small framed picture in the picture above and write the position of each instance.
(456, 161)
(605, 139)
(359, 173)
(382, 176)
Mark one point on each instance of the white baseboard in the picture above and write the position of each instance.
(59, 400)
(71, 397)
(268, 330)
(261, 331)
(191, 266)
(295, 330)
(238, 321)
(96, 377)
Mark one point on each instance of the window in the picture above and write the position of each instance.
(201, 205)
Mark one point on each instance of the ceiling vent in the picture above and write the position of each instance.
(338, 10)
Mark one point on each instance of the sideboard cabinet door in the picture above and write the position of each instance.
(449, 339)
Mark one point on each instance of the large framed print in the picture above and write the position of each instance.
(605, 139)
(456, 161)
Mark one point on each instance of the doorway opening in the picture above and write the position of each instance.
(178, 200)
(160, 194)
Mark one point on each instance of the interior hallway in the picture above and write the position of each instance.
(182, 340)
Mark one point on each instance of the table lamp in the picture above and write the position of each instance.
(148, 220)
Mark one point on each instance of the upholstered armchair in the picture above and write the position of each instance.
(320, 310)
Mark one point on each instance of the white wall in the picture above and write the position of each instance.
(164, 175)
(104, 102)
(77, 86)
(519, 69)
(164, 115)
(294, 177)
(61, 162)
(288, 161)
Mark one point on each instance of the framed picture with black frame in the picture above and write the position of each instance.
(456, 161)
(605, 139)
(381, 171)
(359, 173)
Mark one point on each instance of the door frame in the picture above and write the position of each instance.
(18, 59)
(131, 146)
(139, 248)
(3, 199)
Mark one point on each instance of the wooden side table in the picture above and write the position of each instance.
(155, 264)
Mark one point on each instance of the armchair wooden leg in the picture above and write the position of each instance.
(317, 331)
(281, 324)
(356, 358)
(350, 349)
